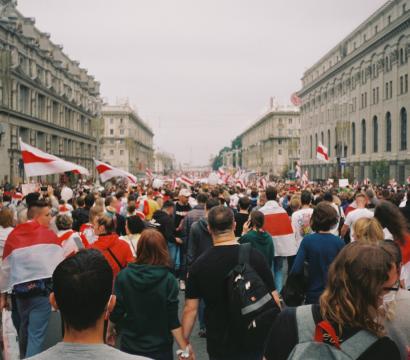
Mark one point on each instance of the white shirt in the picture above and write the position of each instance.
(355, 215)
(301, 224)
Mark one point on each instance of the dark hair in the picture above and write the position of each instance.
(244, 203)
(108, 200)
(202, 198)
(390, 217)
(82, 286)
(328, 197)
(64, 222)
(393, 249)
(212, 203)
(271, 193)
(107, 222)
(257, 219)
(31, 198)
(306, 197)
(324, 217)
(220, 219)
(80, 201)
(167, 204)
(89, 200)
(135, 224)
(152, 249)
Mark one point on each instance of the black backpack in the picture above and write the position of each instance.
(251, 306)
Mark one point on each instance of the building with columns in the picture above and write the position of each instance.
(46, 98)
(271, 144)
(164, 163)
(126, 140)
(356, 99)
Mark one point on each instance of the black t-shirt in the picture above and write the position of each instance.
(207, 280)
(240, 220)
(180, 213)
(283, 338)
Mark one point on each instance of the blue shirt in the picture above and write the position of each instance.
(319, 251)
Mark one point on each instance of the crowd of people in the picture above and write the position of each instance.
(280, 272)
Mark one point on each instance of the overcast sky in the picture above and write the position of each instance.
(198, 71)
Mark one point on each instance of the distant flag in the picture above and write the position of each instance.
(186, 180)
(298, 173)
(321, 153)
(305, 178)
(366, 181)
(240, 183)
(262, 183)
(38, 163)
(107, 172)
(408, 180)
(221, 172)
(295, 100)
(148, 173)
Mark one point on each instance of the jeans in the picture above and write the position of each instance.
(174, 254)
(34, 315)
(278, 272)
(201, 314)
(241, 356)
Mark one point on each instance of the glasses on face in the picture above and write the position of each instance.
(396, 287)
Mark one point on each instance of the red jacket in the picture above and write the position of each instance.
(118, 247)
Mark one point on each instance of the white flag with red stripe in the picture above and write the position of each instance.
(31, 252)
(186, 180)
(39, 163)
(321, 153)
(240, 183)
(107, 172)
(148, 173)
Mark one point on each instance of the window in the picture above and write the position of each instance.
(111, 131)
(121, 152)
(353, 138)
(121, 121)
(322, 138)
(122, 132)
(375, 135)
(328, 142)
(402, 59)
(41, 107)
(24, 99)
(315, 142)
(363, 136)
(290, 121)
(111, 121)
(404, 8)
(311, 147)
(391, 89)
(403, 129)
(386, 90)
(406, 83)
(111, 152)
(401, 85)
(389, 19)
(388, 131)
(280, 151)
(375, 29)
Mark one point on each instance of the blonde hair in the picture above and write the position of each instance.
(368, 231)
(295, 202)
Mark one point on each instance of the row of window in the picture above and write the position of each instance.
(363, 132)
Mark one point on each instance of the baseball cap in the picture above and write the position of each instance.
(185, 192)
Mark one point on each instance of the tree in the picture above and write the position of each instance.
(218, 160)
(380, 171)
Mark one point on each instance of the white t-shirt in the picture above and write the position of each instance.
(355, 215)
(301, 224)
(340, 214)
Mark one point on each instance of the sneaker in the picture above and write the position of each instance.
(182, 285)
(202, 333)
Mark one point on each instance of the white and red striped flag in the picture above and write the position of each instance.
(240, 183)
(221, 172)
(186, 180)
(39, 163)
(107, 172)
(148, 173)
(321, 153)
(262, 183)
(31, 252)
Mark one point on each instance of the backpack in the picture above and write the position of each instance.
(251, 307)
(312, 347)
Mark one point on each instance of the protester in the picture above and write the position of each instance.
(242, 216)
(82, 291)
(150, 206)
(368, 231)
(31, 253)
(147, 301)
(207, 280)
(6, 226)
(357, 281)
(354, 215)
(116, 251)
(278, 225)
(257, 237)
(82, 213)
(134, 226)
(87, 229)
(70, 240)
(318, 250)
(111, 210)
(301, 218)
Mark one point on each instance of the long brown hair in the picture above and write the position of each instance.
(354, 285)
(152, 249)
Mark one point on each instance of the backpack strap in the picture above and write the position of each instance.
(244, 253)
(115, 259)
(358, 343)
(305, 323)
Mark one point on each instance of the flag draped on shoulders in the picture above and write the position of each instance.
(31, 252)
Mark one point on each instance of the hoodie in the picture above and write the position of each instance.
(146, 309)
(200, 240)
(261, 241)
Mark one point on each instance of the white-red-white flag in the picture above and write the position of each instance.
(321, 153)
(148, 173)
(186, 180)
(262, 183)
(39, 163)
(31, 252)
(107, 172)
(240, 183)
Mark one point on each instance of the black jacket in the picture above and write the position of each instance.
(80, 217)
(200, 240)
(165, 225)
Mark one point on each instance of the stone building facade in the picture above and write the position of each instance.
(164, 163)
(271, 145)
(126, 140)
(356, 99)
(45, 97)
